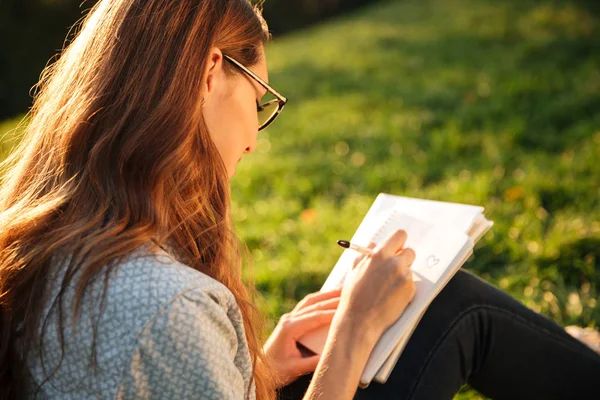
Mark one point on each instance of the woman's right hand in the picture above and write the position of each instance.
(375, 294)
(379, 287)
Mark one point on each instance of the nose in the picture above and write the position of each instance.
(251, 147)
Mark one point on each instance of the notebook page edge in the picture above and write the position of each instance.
(388, 341)
(386, 369)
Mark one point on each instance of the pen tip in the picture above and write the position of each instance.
(344, 243)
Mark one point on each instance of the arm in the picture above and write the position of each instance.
(186, 351)
(346, 352)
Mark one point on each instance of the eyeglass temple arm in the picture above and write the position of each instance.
(258, 78)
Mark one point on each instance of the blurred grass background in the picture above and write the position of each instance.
(476, 101)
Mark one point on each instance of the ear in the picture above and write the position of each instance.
(213, 73)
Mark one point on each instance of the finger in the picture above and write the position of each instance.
(360, 257)
(298, 325)
(392, 244)
(316, 297)
(329, 304)
(308, 364)
(406, 257)
(357, 260)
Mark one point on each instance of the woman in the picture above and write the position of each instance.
(119, 272)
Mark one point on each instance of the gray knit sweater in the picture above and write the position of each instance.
(167, 332)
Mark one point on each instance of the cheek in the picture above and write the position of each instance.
(246, 120)
(221, 124)
(246, 106)
(232, 123)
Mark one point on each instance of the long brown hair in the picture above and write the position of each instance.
(117, 155)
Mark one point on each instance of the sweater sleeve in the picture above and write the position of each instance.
(186, 351)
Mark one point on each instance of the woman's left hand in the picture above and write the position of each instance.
(312, 312)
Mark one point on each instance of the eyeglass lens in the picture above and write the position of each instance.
(266, 111)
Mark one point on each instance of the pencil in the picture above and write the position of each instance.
(346, 244)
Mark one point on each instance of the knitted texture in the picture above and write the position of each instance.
(166, 331)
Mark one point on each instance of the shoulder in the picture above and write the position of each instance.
(150, 323)
(152, 278)
(193, 337)
(151, 286)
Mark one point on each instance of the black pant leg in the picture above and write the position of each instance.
(296, 389)
(473, 332)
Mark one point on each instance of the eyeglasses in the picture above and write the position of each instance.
(268, 111)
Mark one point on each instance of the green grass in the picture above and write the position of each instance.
(476, 101)
(10, 133)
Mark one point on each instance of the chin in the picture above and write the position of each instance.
(232, 171)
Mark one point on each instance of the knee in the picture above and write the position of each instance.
(466, 290)
(463, 281)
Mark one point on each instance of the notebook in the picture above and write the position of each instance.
(442, 235)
